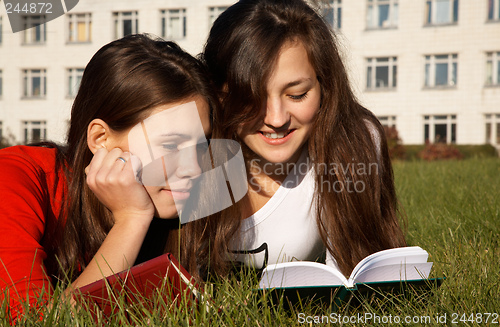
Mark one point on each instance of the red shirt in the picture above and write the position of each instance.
(29, 210)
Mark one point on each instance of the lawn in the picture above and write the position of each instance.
(453, 211)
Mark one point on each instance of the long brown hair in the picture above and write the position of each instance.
(121, 84)
(241, 52)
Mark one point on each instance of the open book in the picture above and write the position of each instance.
(382, 271)
(162, 277)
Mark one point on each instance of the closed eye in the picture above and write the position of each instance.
(298, 97)
(170, 146)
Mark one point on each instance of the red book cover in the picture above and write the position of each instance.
(162, 276)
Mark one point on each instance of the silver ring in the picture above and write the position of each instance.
(122, 159)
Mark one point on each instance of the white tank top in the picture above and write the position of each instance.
(285, 228)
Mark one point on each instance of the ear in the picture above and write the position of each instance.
(97, 135)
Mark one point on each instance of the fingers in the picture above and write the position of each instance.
(136, 166)
(116, 163)
(108, 168)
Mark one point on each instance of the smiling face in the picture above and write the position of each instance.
(168, 143)
(287, 116)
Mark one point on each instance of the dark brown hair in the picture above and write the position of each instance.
(121, 84)
(241, 52)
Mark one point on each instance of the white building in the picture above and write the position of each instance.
(429, 67)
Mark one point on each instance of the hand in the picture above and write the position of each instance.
(114, 184)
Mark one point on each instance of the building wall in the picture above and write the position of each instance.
(470, 38)
(56, 55)
(410, 40)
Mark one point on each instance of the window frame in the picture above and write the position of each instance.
(373, 16)
(28, 74)
(73, 27)
(166, 17)
(492, 69)
(28, 126)
(332, 14)
(431, 16)
(430, 123)
(119, 17)
(493, 13)
(74, 73)
(30, 34)
(213, 13)
(388, 120)
(430, 68)
(372, 63)
(493, 135)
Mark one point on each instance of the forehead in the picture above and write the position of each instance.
(191, 116)
(183, 121)
(292, 64)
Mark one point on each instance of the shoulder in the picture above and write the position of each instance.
(28, 169)
(28, 191)
(29, 158)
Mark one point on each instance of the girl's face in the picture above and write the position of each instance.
(168, 143)
(287, 116)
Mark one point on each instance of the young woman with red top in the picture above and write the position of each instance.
(77, 211)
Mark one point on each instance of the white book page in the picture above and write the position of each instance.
(394, 272)
(413, 254)
(303, 273)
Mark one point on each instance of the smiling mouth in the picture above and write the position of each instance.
(278, 135)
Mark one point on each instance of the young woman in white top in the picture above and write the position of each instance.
(319, 174)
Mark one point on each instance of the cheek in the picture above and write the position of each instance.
(307, 112)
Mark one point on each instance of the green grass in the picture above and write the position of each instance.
(453, 211)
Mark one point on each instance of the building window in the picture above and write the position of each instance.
(493, 129)
(440, 129)
(382, 14)
(34, 32)
(126, 23)
(332, 13)
(80, 28)
(441, 12)
(493, 68)
(173, 24)
(493, 9)
(389, 121)
(1, 27)
(74, 79)
(213, 13)
(34, 131)
(441, 70)
(381, 73)
(34, 83)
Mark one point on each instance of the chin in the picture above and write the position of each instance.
(167, 213)
(279, 157)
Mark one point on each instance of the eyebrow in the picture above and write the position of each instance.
(297, 82)
(186, 136)
(179, 135)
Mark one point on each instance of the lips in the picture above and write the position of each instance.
(276, 135)
(178, 194)
(277, 138)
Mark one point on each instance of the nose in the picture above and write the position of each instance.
(188, 166)
(276, 115)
